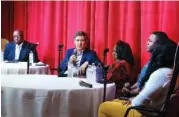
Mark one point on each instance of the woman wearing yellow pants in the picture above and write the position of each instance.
(116, 108)
(152, 95)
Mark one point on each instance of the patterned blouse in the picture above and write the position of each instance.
(119, 72)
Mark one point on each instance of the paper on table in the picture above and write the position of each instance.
(40, 64)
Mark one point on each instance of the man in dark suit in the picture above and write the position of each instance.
(19, 49)
(80, 56)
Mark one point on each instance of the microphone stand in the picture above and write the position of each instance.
(59, 50)
(105, 68)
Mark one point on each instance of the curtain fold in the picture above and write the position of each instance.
(54, 22)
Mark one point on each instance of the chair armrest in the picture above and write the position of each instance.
(142, 108)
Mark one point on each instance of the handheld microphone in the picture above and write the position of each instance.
(75, 52)
(60, 45)
(37, 44)
(106, 50)
(85, 84)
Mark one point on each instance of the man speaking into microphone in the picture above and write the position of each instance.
(19, 49)
(80, 56)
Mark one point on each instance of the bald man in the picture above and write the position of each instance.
(19, 49)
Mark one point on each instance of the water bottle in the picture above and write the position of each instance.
(88, 73)
(31, 57)
(70, 70)
(99, 73)
(91, 73)
(94, 71)
(2, 56)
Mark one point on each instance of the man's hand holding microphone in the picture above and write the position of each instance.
(82, 70)
(73, 59)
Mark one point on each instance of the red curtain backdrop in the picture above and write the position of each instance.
(6, 19)
(53, 22)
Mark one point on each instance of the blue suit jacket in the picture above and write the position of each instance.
(9, 52)
(88, 55)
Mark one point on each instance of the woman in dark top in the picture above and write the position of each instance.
(120, 71)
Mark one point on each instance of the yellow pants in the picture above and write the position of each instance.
(115, 108)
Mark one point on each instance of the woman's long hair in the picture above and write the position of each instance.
(124, 52)
(162, 39)
(162, 55)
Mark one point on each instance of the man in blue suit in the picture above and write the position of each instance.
(19, 49)
(80, 56)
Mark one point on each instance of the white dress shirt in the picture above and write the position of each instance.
(78, 59)
(17, 51)
(154, 91)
